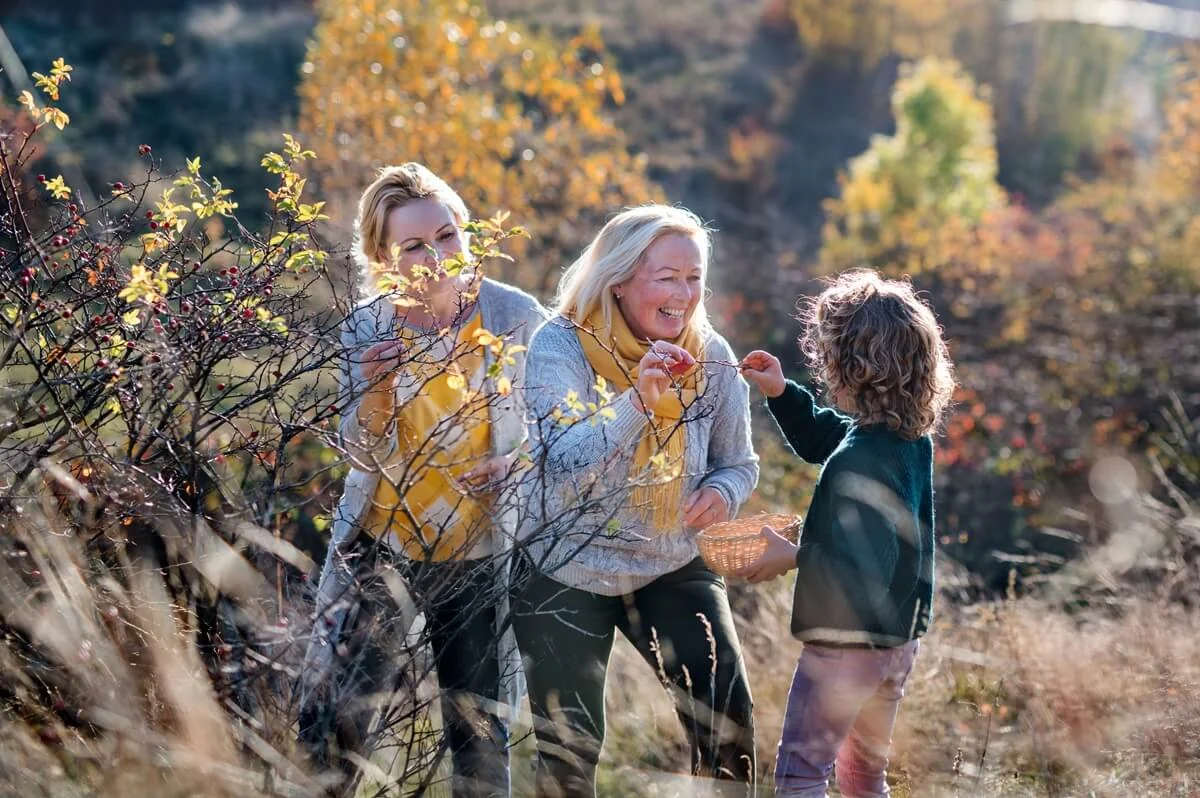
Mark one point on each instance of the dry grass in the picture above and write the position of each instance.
(103, 691)
(1016, 698)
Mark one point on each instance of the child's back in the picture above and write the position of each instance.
(864, 582)
(865, 566)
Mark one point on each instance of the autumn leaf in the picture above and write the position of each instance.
(58, 188)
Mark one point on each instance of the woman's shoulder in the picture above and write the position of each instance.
(512, 299)
(716, 347)
(369, 315)
(555, 333)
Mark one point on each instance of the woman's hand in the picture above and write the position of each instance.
(777, 559)
(655, 371)
(487, 476)
(763, 369)
(704, 508)
(380, 364)
(379, 359)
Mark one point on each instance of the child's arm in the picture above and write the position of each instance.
(813, 432)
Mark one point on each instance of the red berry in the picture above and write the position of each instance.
(170, 386)
(220, 386)
(144, 149)
(118, 186)
(41, 178)
(154, 225)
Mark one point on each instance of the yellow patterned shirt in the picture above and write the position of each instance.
(443, 431)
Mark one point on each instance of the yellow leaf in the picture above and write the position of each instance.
(504, 386)
(58, 188)
(485, 338)
(58, 117)
(456, 382)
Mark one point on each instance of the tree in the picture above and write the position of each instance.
(509, 117)
(863, 32)
(940, 165)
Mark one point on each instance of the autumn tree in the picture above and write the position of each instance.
(510, 117)
(938, 167)
(1071, 325)
(863, 32)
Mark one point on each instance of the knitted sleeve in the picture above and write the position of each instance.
(732, 463)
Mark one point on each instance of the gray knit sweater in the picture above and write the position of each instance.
(581, 529)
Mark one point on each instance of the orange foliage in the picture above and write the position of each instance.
(511, 118)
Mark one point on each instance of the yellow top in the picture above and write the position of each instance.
(443, 431)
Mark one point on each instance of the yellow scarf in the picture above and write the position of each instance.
(614, 353)
(442, 432)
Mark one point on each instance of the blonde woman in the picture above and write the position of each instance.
(431, 437)
(611, 541)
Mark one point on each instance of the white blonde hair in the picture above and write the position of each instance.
(395, 187)
(617, 251)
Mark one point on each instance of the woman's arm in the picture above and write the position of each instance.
(366, 448)
(732, 463)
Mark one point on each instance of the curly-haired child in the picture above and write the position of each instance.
(864, 583)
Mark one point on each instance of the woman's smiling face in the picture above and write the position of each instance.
(659, 299)
(424, 233)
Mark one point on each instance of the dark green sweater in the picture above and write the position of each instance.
(865, 565)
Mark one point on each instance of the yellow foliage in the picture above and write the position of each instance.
(902, 198)
(866, 31)
(507, 116)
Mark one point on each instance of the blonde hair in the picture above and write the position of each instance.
(394, 187)
(615, 253)
(874, 342)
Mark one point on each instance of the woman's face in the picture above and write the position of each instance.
(659, 299)
(422, 233)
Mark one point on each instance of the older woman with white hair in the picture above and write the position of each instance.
(641, 437)
(431, 433)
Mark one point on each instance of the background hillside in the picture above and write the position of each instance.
(1039, 180)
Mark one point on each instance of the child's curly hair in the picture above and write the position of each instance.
(879, 350)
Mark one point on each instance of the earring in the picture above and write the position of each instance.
(616, 296)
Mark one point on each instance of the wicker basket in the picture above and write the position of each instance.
(732, 545)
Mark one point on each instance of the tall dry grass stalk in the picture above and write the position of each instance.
(103, 669)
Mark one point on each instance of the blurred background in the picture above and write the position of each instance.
(1033, 166)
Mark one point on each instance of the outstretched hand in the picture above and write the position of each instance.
(764, 370)
(778, 557)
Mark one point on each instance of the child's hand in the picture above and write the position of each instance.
(763, 369)
(777, 559)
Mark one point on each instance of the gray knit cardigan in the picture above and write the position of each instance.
(579, 527)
